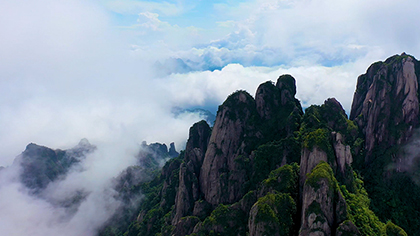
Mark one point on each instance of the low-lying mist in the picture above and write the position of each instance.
(78, 203)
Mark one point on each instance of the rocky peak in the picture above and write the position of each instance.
(287, 86)
(172, 151)
(189, 172)
(196, 147)
(280, 112)
(267, 99)
(385, 104)
(323, 206)
(221, 177)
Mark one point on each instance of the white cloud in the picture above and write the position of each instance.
(315, 83)
(133, 7)
(327, 32)
(149, 20)
(26, 214)
(65, 74)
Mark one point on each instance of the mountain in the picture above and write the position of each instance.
(268, 168)
(41, 165)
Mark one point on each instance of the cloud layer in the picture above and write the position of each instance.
(112, 71)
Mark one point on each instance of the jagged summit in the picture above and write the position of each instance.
(386, 103)
(242, 177)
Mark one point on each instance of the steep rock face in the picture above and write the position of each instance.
(347, 228)
(188, 190)
(279, 110)
(267, 100)
(385, 104)
(196, 148)
(310, 159)
(221, 177)
(334, 115)
(185, 226)
(323, 206)
(287, 86)
(172, 151)
(342, 152)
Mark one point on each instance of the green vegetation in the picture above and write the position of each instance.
(269, 156)
(276, 212)
(322, 171)
(224, 220)
(284, 180)
(394, 230)
(270, 153)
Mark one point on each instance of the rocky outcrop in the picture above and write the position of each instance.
(172, 151)
(386, 104)
(279, 110)
(221, 177)
(267, 100)
(196, 147)
(189, 172)
(334, 115)
(323, 206)
(342, 152)
(185, 225)
(347, 228)
(272, 215)
(287, 87)
(310, 159)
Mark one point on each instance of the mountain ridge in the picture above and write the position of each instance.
(266, 167)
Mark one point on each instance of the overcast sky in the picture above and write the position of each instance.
(88, 69)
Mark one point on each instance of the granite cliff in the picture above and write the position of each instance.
(268, 168)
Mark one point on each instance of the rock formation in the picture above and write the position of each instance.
(189, 172)
(386, 104)
(221, 177)
(323, 206)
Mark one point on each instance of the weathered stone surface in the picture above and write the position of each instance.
(347, 228)
(280, 112)
(267, 100)
(317, 209)
(184, 197)
(221, 177)
(385, 104)
(342, 152)
(310, 159)
(201, 209)
(323, 206)
(196, 147)
(189, 172)
(185, 226)
(287, 86)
